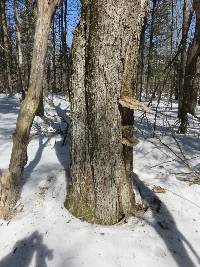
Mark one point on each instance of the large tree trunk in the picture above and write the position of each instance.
(190, 72)
(10, 183)
(105, 52)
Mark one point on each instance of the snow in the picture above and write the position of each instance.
(44, 234)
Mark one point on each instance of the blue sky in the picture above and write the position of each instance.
(73, 17)
(74, 7)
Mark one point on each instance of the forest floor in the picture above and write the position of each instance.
(166, 168)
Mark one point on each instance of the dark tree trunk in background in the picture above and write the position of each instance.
(19, 49)
(183, 53)
(6, 50)
(10, 183)
(149, 72)
(40, 110)
(27, 23)
(54, 58)
(189, 97)
(64, 52)
(141, 62)
(104, 55)
(193, 87)
(197, 81)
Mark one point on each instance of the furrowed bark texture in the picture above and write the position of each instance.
(10, 183)
(104, 55)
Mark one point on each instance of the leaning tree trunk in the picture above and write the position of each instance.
(104, 55)
(10, 183)
(190, 71)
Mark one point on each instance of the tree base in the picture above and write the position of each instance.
(9, 194)
(81, 210)
(86, 213)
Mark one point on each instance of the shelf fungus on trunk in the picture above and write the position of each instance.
(128, 105)
(128, 138)
(132, 103)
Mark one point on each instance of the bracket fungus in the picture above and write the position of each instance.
(128, 138)
(132, 103)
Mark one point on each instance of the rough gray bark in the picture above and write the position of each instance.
(104, 55)
(10, 183)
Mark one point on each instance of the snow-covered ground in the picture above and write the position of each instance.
(43, 233)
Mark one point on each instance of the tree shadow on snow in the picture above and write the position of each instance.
(24, 250)
(165, 226)
(9, 105)
(62, 153)
(62, 127)
(189, 144)
(62, 146)
(32, 165)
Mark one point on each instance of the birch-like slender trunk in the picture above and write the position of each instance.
(10, 183)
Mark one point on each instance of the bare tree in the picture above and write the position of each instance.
(10, 183)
